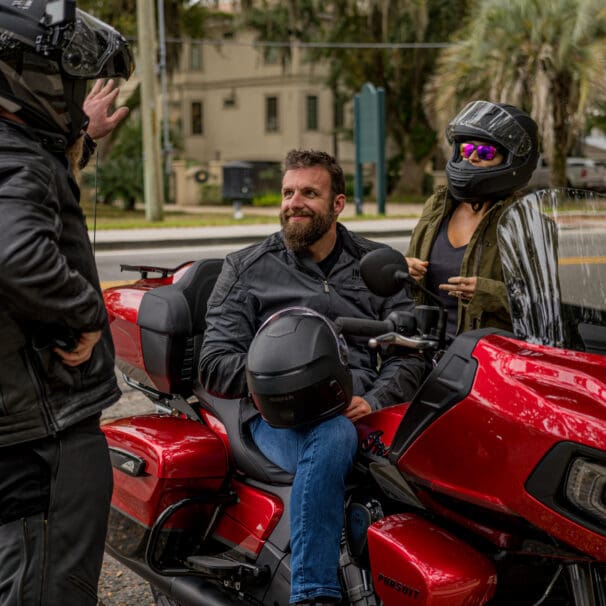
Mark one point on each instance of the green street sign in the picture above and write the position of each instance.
(369, 139)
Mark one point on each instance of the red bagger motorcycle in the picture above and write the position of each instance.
(489, 487)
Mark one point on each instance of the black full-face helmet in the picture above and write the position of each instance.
(297, 369)
(49, 49)
(513, 132)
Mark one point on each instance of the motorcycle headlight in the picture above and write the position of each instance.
(571, 479)
(586, 487)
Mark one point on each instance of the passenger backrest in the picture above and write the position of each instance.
(172, 322)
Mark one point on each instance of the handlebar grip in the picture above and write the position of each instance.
(362, 327)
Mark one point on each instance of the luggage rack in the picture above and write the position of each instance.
(144, 270)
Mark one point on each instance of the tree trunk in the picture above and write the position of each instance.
(560, 97)
(412, 176)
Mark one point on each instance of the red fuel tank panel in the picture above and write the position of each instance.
(415, 562)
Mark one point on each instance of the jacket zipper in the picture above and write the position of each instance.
(325, 285)
(25, 555)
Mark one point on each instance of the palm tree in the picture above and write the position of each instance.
(546, 56)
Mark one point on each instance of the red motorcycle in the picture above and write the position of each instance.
(489, 487)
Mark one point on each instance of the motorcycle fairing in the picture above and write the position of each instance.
(414, 561)
(547, 482)
(246, 524)
(448, 383)
(526, 398)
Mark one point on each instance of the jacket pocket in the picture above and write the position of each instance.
(357, 296)
(55, 372)
(99, 367)
(19, 388)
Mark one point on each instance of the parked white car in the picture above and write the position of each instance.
(582, 173)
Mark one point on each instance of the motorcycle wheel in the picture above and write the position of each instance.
(161, 599)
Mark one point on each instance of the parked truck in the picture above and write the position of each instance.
(581, 173)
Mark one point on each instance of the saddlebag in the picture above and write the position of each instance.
(159, 460)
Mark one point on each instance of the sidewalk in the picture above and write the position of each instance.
(120, 239)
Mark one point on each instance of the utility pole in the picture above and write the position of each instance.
(167, 147)
(152, 171)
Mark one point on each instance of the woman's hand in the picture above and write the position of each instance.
(417, 268)
(98, 107)
(83, 350)
(461, 287)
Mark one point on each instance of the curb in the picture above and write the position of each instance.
(242, 239)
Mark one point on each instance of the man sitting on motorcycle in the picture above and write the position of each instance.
(313, 261)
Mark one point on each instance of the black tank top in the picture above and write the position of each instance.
(445, 262)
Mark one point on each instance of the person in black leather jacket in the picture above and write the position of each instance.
(56, 354)
(312, 262)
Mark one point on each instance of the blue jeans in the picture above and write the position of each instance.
(320, 458)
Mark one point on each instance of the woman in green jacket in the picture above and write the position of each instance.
(453, 249)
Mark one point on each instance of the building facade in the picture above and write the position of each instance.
(231, 101)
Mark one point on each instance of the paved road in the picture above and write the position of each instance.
(109, 261)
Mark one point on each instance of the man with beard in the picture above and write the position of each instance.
(313, 262)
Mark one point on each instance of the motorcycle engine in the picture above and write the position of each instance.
(360, 515)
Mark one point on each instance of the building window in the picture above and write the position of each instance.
(195, 57)
(271, 114)
(230, 100)
(311, 108)
(197, 118)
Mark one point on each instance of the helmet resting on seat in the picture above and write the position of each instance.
(297, 369)
(514, 133)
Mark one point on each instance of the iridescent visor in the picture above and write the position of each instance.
(96, 50)
(497, 123)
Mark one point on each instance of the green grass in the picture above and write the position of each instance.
(113, 217)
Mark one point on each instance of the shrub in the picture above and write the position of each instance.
(120, 173)
(350, 187)
(267, 199)
(210, 194)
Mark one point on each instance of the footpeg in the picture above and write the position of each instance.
(231, 572)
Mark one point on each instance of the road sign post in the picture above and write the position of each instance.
(369, 138)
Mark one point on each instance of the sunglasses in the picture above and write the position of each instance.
(485, 152)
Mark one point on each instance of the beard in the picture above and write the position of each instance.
(300, 236)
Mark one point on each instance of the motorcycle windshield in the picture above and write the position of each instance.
(553, 249)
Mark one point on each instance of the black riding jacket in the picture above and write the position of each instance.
(267, 277)
(49, 288)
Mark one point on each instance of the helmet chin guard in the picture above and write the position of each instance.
(512, 130)
(48, 52)
(297, 369)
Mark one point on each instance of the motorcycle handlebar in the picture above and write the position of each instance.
(363, 327)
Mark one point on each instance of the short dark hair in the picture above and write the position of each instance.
(308, 158)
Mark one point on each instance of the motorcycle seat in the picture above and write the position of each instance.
(248, 459)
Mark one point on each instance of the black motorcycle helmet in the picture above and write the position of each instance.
(297, 369)
(515, 135)
(48, 52)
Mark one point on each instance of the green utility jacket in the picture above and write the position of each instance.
(489, 306)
